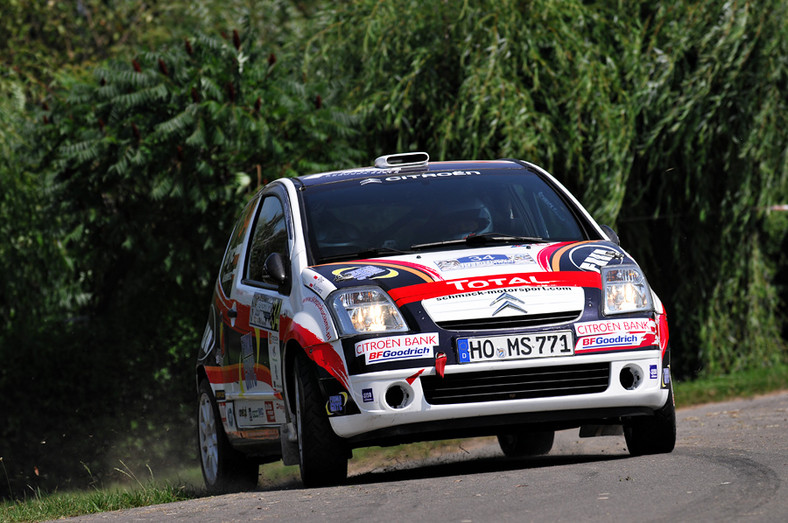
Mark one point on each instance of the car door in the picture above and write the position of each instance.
(259, 385)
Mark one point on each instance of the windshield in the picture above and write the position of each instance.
(373, 216)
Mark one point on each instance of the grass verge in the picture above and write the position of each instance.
(744, 384)
(41, 506)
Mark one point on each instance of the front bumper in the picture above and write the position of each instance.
(397, 398)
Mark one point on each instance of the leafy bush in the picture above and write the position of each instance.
(667, 119)
(119, 189)
(148, 162)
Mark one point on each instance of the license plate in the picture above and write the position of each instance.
(522, 346)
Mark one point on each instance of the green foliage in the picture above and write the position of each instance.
(545, 81)
(666, 119)
(711, 160)
(129, 140)
(147, 162)
(40, 37)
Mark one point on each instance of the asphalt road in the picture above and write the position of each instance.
(730, 464)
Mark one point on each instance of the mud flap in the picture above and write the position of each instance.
(594, 431)
(289, 440)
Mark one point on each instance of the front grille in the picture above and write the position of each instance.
(511, 384)
(510, 322)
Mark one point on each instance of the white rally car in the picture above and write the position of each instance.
(412, 301)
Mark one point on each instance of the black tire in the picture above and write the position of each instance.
(322, 454)
(224, 469)
(523, 444)
(653, 434)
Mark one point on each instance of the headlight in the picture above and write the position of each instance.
(625, 290)
(365, 310)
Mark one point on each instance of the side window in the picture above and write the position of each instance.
(269, 236)
(234, 247)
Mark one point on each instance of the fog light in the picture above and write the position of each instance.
(631, 377)
(399, 396)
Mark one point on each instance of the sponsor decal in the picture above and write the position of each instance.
(610, 340)
(206, 344)
(264, 312)
(431, 175)
(449, 288)
(251, 415)
(349, 174)
(483, 260)
(275, 361)
(501, 281)
(582, 256)
(395, 348)
(230, 416)
(323, 314)
(270, 415)
(248, 361)
(317, 283)
(666, 376)
(411, 353)
(498, 292)
(615, 326)
(336, 403)
(652, 372)
(256, 413)
(396, 342)
(367, 396)
(591, 258)
(367, 272)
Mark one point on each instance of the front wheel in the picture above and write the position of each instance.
(653, 434)
(322, 455)
(523, 444)
(224, 469)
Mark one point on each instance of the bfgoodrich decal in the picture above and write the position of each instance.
(621, 339)
(395, 348)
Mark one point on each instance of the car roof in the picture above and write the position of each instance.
(407, 169)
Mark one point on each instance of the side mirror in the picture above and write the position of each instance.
(611, 234)
(275, 267)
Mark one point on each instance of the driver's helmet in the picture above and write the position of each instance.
(461, 219)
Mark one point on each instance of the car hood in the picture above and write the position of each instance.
(432, 275)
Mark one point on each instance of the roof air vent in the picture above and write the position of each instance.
(402, 160)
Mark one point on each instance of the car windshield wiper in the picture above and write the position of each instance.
(482, 239)
(493, 237)
(363, 253)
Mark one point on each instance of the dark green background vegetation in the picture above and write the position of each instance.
(132, 132)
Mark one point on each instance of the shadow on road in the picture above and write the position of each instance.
(464, 467)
